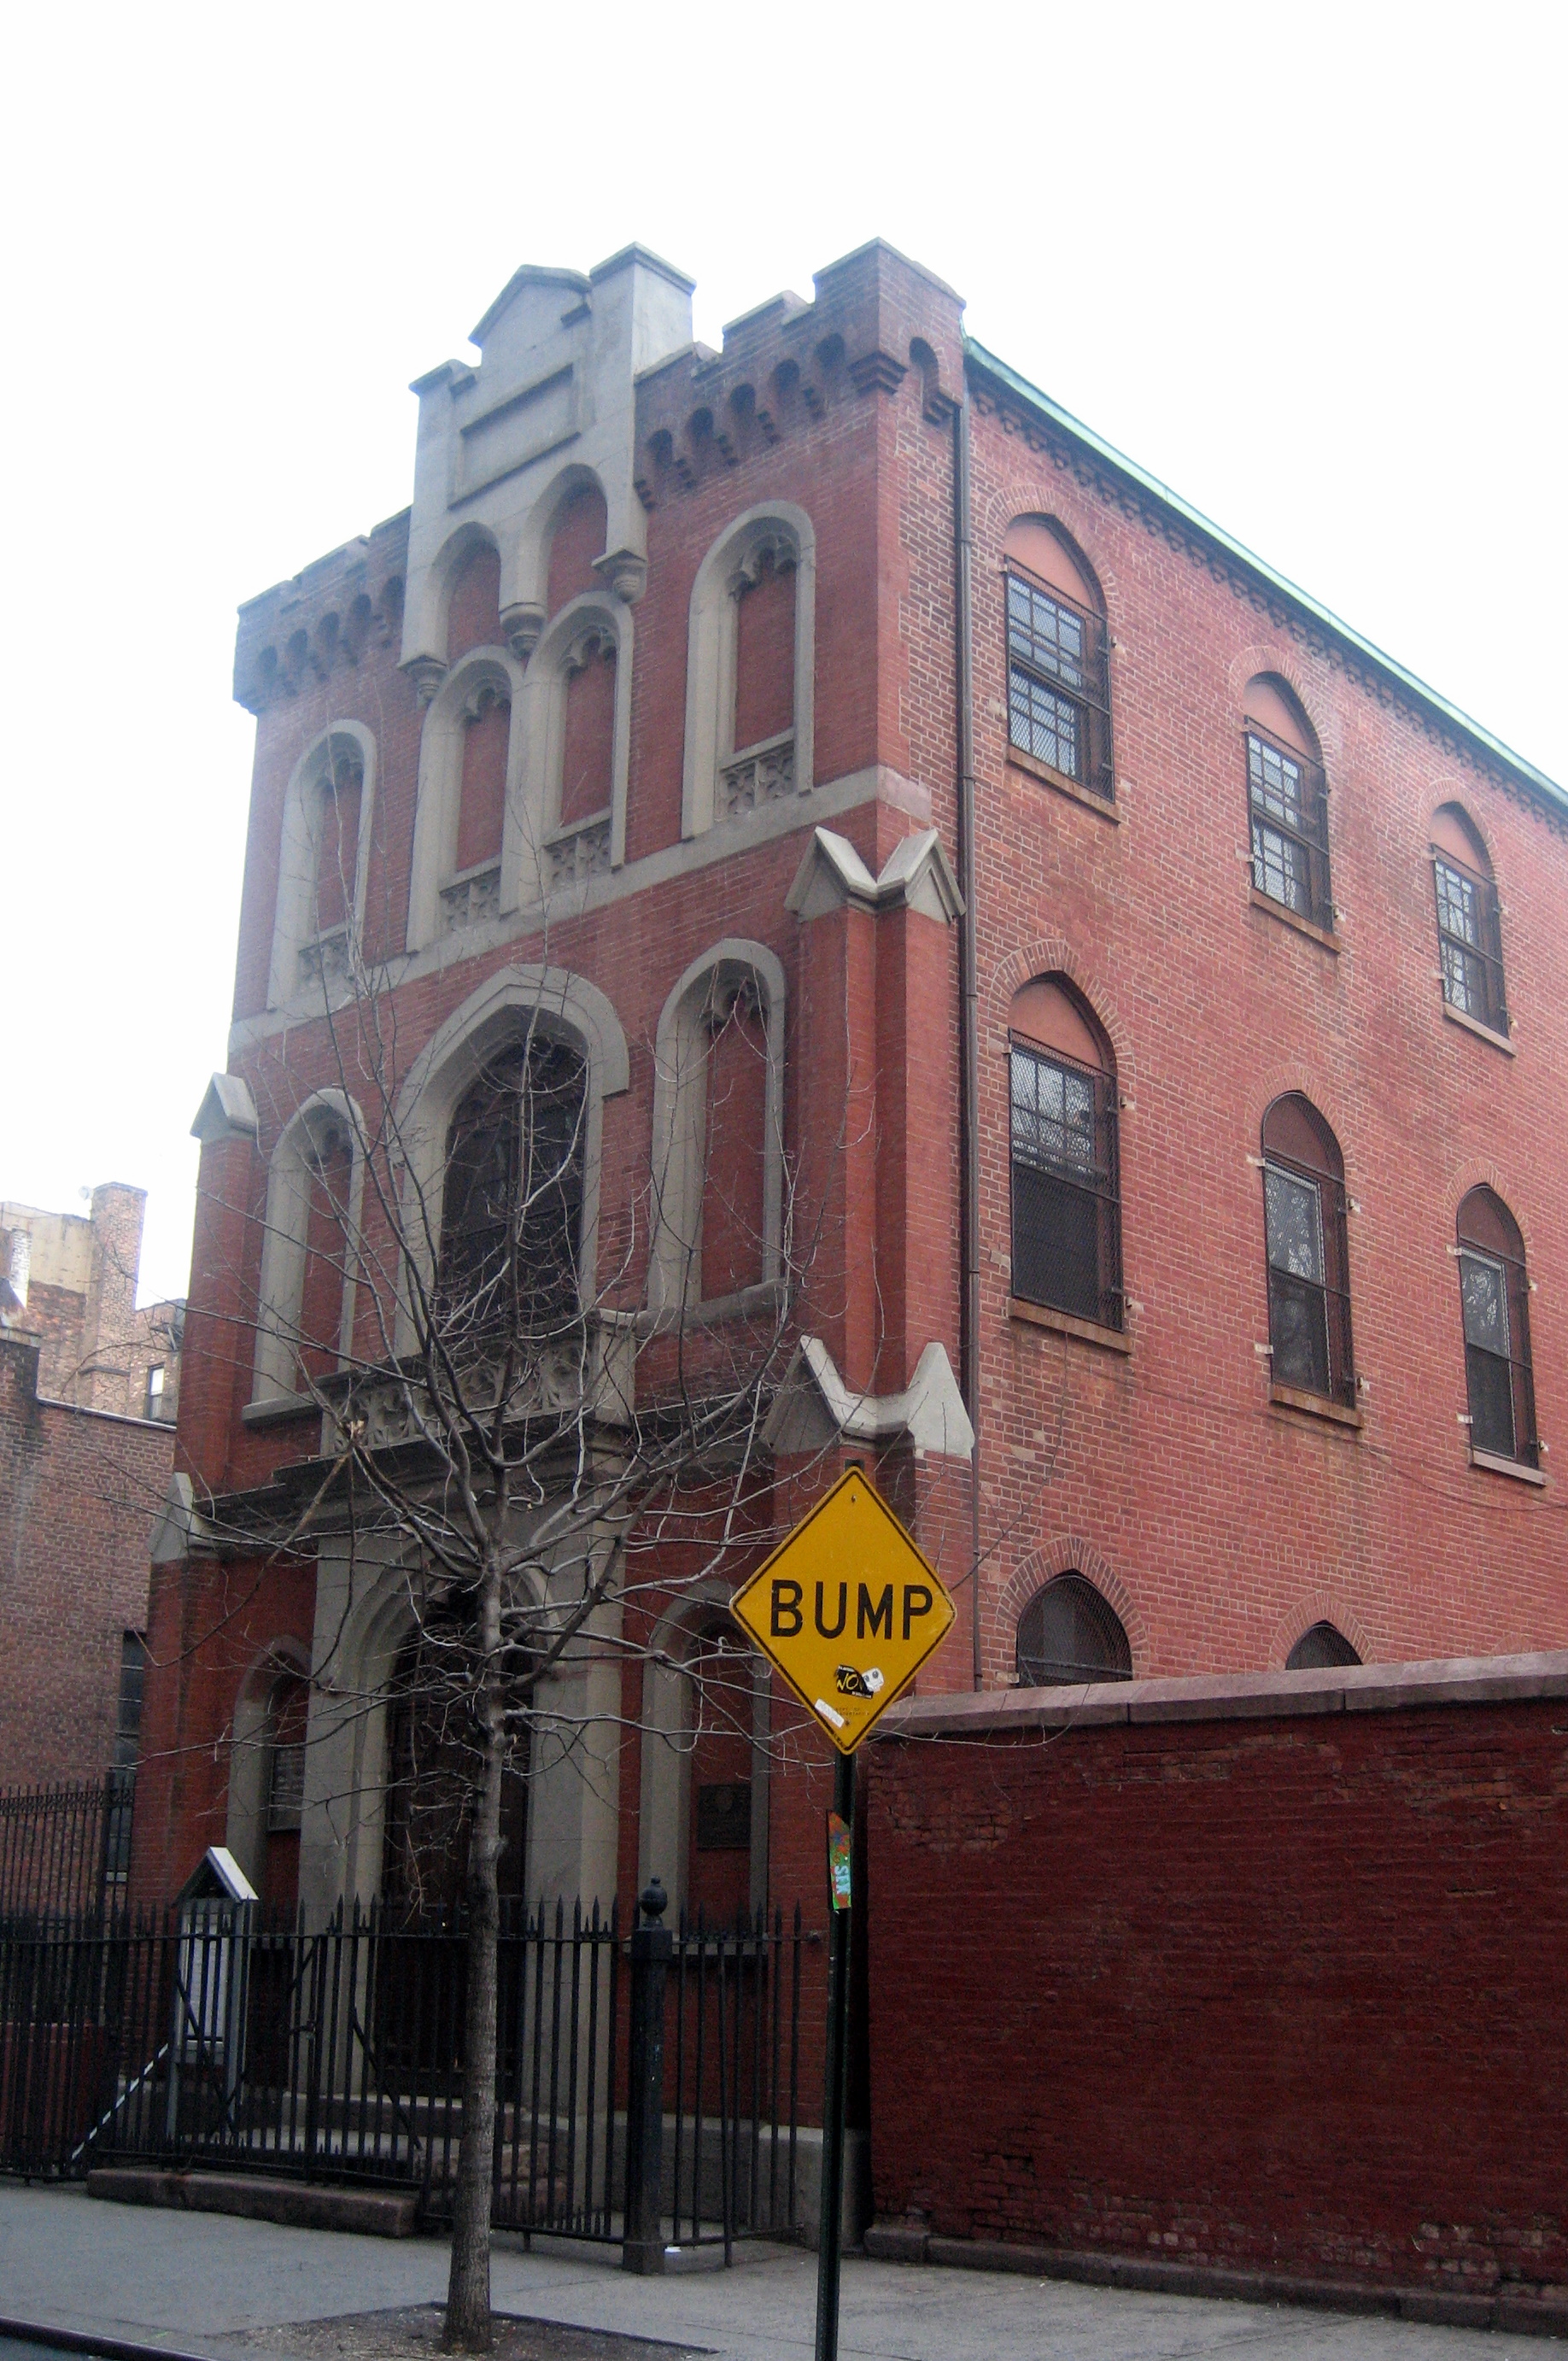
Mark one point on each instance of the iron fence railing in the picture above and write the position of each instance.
(64, 1849)
(214, 2037)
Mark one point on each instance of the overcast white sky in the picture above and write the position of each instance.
(1306, 264)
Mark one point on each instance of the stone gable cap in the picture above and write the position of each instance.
(532, 274)
(227, 1111)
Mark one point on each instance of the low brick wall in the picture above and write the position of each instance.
(1262, 1974)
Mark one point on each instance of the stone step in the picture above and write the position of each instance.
(302, 2204)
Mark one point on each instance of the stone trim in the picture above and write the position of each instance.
(1238, 1697)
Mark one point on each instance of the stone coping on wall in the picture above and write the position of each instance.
(1235, 1696)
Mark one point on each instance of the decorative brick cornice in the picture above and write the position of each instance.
(1093, 475)
(345, 608)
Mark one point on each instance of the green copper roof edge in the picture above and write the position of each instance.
(1438, 703)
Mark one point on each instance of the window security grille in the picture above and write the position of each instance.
(1067, 1228)
(286, 1785)
(1068, 1634)
(1057, 698)
(1321, 1648)
(1469, 942)
(1289, 831)
(1496, 1357)
(1309, 1315)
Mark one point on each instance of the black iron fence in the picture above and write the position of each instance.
(64, 1849)
(215, 2037)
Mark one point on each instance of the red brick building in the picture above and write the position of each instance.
(1147, 995)
(88, 1389)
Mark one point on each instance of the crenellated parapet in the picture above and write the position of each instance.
(877, 321)
(335, 616)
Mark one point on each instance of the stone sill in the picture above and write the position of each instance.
(1495, 1465)
(1088, 1332)
(1235, 1697)
(1033, 768)
(1313, 1405)
(1273, 909)
(277, 1410)
(568, 828)
(1482, 1032)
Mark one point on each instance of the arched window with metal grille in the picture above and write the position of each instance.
(1493, 1291)
(1066, 1215)
(512, 1205)
(1469, 923)
(1288, 803)
(1307, 1253)
(1319, 1649)
(1070, 1632)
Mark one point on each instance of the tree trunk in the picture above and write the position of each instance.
(468, 2323)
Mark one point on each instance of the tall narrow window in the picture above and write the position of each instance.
(1066, 1223)
(1070, 1632)
(337, 841)
(1309, 1261)
(512, 1216)
(1469, 928)
(1495, 1299)
(481, 795)
(1059, 702)
(1287, 799)
(329, 1172)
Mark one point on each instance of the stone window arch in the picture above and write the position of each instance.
(575, 731)
(267, 1771)
(515, 1004)
(468, 785)
(323, 863)
(719, 1130)
(738, 639)
(1070, 1632)
(707, 1713)
(308, 1261)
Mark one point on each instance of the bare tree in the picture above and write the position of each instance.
(532, 1446)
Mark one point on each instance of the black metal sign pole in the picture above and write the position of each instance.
(830, 2234)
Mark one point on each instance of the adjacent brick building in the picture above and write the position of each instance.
(1146, 996)
(89, 1386)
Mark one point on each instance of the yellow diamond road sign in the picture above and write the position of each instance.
(847, 1608)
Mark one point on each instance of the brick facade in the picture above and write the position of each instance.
(80, 1493)
(1218, 1523)
(1250, 1975)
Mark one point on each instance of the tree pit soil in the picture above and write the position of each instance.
(413, 2334)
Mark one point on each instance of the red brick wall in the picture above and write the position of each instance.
(1280, 1993)
(78, 1494)
(1232, 1524)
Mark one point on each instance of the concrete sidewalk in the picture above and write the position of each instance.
(191, 2280)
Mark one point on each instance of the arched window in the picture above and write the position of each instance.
(474, 602)
(723, 1684)
(1469, 927)
(577, 539)
(583, 790)
(283, 1776)
(1067, 1215)
(1494, 1290)
(1319, 1649)
(329, 1178)
(718, 1129)
(1308, 1260)
(1059, 686)
(431, 1761)
(1288, 801)
(750, 668)
(482, 789)
(512, 1200)
(309, 1255)
(1070, 1632)
(322, 862)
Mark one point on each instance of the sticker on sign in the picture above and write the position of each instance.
(847, 1608)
